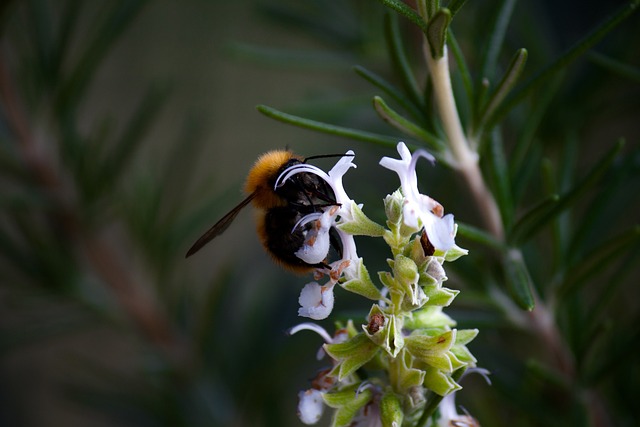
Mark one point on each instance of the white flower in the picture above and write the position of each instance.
(316, 302)
(310, 406)
(317, 242)
(310, 402)
(419, 209)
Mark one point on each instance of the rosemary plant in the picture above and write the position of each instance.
(524, 119)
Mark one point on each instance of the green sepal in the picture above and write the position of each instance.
(361, 284)
(460, 350)
(387, 280)
(430, 316)
(389, 336)
(405, 270)
(439, 382)
(455, 252)
(361, 225)
(465, 336)
(407, 376)
(391, 413)
(347, 402)
(351, 354)
(415, 251)
(435, 350)
(439, 295)
(407, 275)
(463, 354)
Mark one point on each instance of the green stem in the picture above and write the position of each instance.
(465, 160)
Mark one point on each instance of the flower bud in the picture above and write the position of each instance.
(393, 207)
(391, 413)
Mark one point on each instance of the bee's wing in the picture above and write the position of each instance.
(219, 227)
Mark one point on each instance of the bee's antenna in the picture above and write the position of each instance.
(324, 156)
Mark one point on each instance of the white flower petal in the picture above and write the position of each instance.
(312, 327)
(335, 177)
(410, 213)
(310, 406)
(440, 231)
(316, 245)
(316, 302)
(349, 251)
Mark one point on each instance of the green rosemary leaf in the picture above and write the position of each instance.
(498, 170)
(134, 132)
(524, 143)
(504, 87)
(390, 90)
(388, 141)
(523, 232)
(107, 31)
(617, 67)
(496, 39)
(455, 5)
(575, 51)
(478, 235)
(532, 216)
(616, 354)
(396, 120)
(401, 62)
(409, 13)
(598, 260)
(518, 279)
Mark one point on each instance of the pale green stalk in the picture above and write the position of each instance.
(464, 157)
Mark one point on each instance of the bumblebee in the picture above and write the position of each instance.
(280, 208)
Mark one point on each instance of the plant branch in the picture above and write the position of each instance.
(464, 158)
(541, 320)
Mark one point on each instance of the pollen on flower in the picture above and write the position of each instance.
(336, 272)
(438, 210)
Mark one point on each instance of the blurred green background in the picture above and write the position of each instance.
(144, 112)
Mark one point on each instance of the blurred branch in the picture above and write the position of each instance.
(139, 305)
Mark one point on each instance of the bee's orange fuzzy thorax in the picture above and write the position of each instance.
(262, 176)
